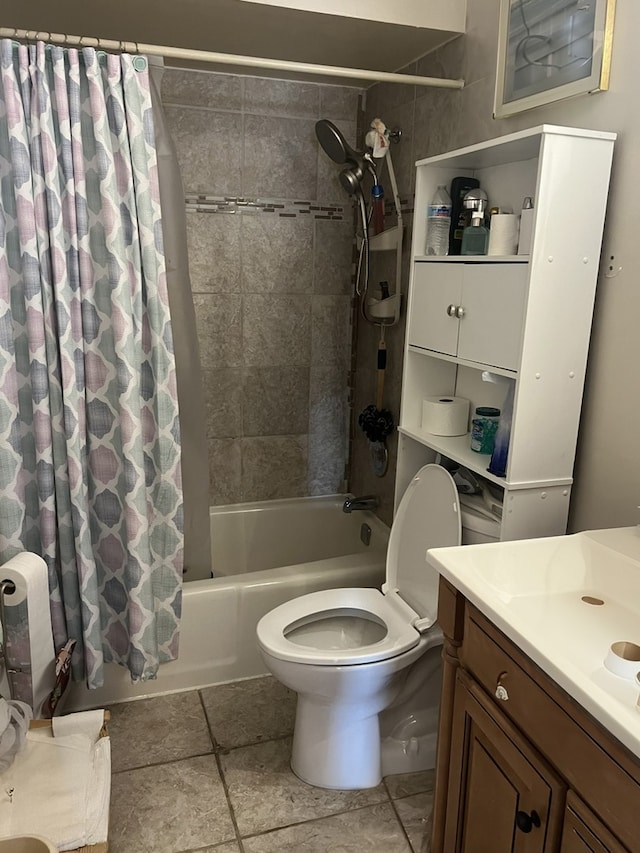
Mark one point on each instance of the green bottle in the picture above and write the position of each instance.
(475, 237)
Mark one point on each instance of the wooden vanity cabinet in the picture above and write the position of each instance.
(521, 766)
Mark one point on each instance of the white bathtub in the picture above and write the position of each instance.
(262, 555)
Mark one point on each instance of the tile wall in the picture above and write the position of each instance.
(270, 237)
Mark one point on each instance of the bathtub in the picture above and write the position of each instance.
(262, 555)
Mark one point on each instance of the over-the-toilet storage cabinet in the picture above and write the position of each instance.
(524, 318)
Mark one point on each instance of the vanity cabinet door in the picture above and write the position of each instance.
(437, 293)
(502, 796)
(584, 833)
(470, 311)
(492, 311)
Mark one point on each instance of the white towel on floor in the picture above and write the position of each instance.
(61, 789)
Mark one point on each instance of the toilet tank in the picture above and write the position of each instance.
(477, 528)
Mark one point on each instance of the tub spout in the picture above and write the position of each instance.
(367, 502)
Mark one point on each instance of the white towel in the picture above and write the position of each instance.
(60, 789)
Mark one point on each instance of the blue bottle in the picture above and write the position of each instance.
(498, 464)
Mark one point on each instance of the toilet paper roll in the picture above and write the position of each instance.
(87, 723)
(445, 415)
(503, 234)
(29, 637)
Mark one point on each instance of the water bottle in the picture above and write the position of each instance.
(438, 222)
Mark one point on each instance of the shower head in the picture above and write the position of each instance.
(334, 144)
(338, 149)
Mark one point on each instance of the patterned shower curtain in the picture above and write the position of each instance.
(89, 434)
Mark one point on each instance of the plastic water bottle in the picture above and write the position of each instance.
(438, 222)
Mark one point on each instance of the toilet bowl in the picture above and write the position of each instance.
(366, 664)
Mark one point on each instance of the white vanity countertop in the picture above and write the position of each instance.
(533, 590)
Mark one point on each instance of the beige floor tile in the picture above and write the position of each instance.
(414, 812)
(374, 830)
(405, 784)
(179, 806)
(150, 731)
(265, 794)
(227, 847)
(247, 712)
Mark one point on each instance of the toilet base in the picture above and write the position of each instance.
(331, 749)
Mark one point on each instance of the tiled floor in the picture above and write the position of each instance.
(208, 771)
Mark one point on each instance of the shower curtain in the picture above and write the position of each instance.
(89, 437)
(195, 471)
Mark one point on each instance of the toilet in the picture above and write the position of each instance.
(366, 664)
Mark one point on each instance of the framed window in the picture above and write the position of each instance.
(551, 49)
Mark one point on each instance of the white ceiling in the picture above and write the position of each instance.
(244, 28)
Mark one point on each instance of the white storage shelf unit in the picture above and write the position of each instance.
(525, 318)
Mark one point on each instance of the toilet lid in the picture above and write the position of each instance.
(428, 517)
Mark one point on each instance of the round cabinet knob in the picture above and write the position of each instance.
(501, 693)
(460, 312)
(525, 822)
(451, 310)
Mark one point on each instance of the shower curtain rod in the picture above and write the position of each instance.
(227, 58)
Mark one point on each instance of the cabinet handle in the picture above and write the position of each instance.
(526, 822)
(501, 693)
(451, 310)
(460, 312)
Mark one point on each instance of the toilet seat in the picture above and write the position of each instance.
(428, 517)
(276, 627)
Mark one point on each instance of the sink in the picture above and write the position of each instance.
(26, 844)
(565, 601)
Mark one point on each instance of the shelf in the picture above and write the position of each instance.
(474, 365)
(511, 148)
(457, 447)
(471, 259)
(386, 241)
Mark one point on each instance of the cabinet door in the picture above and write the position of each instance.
(493, 303)
(502, 797)
(432, 324)
(584, 833)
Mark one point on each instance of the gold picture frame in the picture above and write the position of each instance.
(551, 49)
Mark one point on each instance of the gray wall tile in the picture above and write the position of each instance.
(225, 471)
(274, 467)
(277, 254)
(208, 148)
(281, 98)
(279, 157)
(219, 327)
(328, 429)
(223, 388)
(331, 337)
(202, 89)
(276, 330)
(339, 102)
(333, 256)
(276, 401)
(213, 241)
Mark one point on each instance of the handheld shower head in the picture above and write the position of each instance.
(338, 149)
(334, 144)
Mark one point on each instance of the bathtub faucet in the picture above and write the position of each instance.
(368, 502)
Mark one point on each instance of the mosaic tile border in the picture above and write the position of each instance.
(256, 206)
(202, 203)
